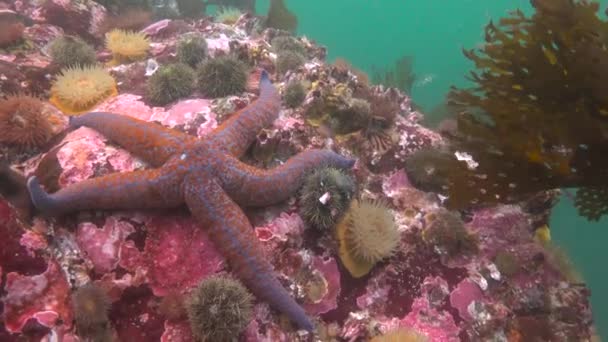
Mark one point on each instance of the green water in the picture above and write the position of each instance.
(378, 32)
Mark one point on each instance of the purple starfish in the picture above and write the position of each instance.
(208, 177)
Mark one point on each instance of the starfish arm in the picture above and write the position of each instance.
(150, 141)
(132, 190)
(250, 186)
(232, 234)
(237, 133)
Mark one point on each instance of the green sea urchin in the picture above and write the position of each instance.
(69, 51)
(325, 197)
(169, 83)
(191, 49)
(91, 305)
(222, 76)
(219, 309)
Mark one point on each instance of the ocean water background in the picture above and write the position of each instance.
(378, 32)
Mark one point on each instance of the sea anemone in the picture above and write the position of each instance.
(367, 234)
(228, 15)
(400, 335)
(78, 89)
(127, 46)
(219, 309)
(445, 231)
(191, 49)
(325, 196)
(289, 60)
(91, 305)
(71, 51)
(22, 122)
(222, 76)
(294, 94)
(169, 83)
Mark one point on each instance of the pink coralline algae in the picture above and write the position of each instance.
(323, 286)
(176, 257)
(463, 296)
(44, 297)
(102, 246)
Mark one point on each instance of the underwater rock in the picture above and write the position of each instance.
(177, 254)
(103, 246)
(43, 297)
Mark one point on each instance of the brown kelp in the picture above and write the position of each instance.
(537, 116)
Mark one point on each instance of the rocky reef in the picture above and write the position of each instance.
(366, 253)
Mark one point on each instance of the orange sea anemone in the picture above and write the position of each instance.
(23, 123)
(127, 46)
(80, 88)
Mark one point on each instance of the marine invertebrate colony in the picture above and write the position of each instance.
(205, 175)
(22, 122)
(80, 88)
(219, 309)
(537, 117)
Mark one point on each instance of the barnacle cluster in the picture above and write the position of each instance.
(537, 118)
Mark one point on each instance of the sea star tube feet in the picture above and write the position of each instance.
(207, 176)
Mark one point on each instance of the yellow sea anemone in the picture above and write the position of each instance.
(127, 46)
(79, 89)
(367, 234)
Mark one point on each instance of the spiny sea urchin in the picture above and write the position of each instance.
(23, 123)
(126, 46)
(91, 305)
(70, 51)
(446, 232)
(325, 196)
(191, 49)
(222, 76)
(78, 89)
(367, 234)
(169, 83)
(219, 309)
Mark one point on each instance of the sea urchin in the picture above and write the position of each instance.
(219, 309)
(23, 123)
(78, 89)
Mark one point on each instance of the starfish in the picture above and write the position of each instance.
(206, 175)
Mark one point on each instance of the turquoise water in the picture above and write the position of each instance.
(374, 32)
